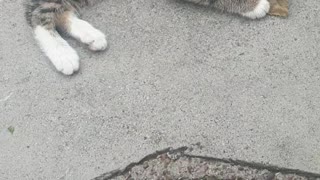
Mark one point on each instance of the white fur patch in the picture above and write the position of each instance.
(260, 11)
(86, 33)
(62, 56)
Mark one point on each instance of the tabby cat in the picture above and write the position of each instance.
(49, 17)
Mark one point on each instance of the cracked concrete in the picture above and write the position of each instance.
(179, 164)
(174, 75)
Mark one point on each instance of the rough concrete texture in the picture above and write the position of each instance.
(178, 164)
(175, 74)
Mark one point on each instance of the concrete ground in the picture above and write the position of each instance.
(175, 74)
(176, 164)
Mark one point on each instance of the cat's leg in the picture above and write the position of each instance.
(201, 2)
(253, 9)
(61, 54)
(82, 31)
(260, 9)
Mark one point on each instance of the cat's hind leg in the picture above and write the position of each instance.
(61, 54)
(260, 10)
(253, 9)
(82, 31)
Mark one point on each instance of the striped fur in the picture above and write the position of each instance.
(48, 16)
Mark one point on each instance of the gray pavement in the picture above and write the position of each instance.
(174, 75)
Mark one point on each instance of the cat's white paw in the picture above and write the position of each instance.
(98, 41)
(65, 60)
(60, 53)
(260, 11)
(87, 34)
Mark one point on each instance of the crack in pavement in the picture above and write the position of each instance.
(180, 153)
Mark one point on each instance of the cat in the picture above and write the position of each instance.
(49, 17)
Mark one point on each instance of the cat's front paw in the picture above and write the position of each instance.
(87, 34)
(94, 38)
(61, 54)
(259, 11)
(98, 43)
(65, 59)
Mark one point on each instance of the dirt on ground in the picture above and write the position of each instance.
(172, 164)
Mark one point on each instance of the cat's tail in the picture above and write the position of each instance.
(42, 18)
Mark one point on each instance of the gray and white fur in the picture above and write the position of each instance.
(46, 17)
